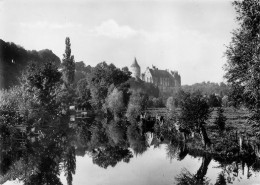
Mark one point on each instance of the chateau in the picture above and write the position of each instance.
(167, 81)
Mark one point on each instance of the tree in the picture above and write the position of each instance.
(194, 111)
(101, 78)
(68, 64)
(243, 55)
(42, 83)
(126, 70)
(115, 102)
(137, 103)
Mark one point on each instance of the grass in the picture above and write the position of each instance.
(237, 122)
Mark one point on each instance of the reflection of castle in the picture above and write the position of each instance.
(165, 80)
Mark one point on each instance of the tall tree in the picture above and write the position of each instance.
(68, 64)
(243, 55)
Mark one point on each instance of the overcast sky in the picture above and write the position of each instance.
(184, 35)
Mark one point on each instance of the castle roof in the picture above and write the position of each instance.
(160, 73)
(135, 64)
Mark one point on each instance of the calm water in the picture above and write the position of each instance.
(104, 151)
(153, 167)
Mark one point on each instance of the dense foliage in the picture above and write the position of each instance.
(242, 68)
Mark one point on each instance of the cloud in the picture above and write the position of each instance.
(45, 24)
(111, 28)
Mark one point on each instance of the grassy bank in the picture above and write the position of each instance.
(237, 122)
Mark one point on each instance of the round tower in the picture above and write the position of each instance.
(135, 69)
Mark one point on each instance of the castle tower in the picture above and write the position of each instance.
(135, 69)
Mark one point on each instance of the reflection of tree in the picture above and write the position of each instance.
(98, 136)
(38, 162)
(233, 169)
(221, 179)
(136, 140)
(110, 156)
(177, 150)
(116, 132)
(69, 164)
(203, 168)
(48, 172)
(186, 178)
(5, 163)
(46, 160)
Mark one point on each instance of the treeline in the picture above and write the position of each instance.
(56, 86)
(91, 85)
(208, 88)
(14, 59)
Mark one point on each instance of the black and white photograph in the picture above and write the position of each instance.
(130, 92)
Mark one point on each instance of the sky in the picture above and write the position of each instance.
(189, 36)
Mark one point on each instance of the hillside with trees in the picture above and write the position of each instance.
(14, 59)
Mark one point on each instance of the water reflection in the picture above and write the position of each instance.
(39, 154)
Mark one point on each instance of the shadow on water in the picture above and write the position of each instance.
(39, 154)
